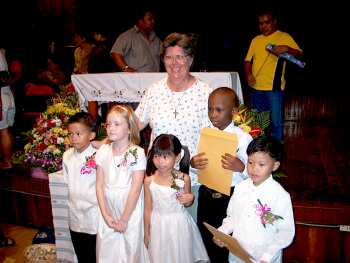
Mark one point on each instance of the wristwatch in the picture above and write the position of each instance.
(125, 67)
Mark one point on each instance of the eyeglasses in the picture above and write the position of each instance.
(181, 59)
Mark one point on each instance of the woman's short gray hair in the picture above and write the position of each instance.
(185, 41)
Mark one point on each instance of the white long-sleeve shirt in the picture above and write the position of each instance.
(245, 224)
(243, 141)
(82, 200)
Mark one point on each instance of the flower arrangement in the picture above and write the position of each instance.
(130, 158)
(252, 121)
(266, 217)
(48, 139)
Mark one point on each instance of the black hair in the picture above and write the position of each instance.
(266, 8)
(141, 10)
(83, 33)
(55, 58)
(266, 144)
(84, 118)
(166, 144)
(227, 92)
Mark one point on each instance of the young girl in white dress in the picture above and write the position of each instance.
(171, 234)
(120, 172)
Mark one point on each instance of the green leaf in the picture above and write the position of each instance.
(279, 174)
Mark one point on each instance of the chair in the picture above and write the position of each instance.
(35, 102)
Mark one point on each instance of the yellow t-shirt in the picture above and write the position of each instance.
(264, 62)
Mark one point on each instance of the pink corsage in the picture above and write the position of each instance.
(89, 165)
(130, 158)
(266, 217)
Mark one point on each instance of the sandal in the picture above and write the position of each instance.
(7, 242)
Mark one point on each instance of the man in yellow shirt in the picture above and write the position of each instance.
(265, 70)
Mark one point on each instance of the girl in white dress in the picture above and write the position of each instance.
(171, 234)
(120, 173)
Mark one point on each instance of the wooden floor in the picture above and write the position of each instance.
(23, 237)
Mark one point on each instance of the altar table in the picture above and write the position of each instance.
(131, 87)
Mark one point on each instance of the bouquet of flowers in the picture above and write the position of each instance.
(252, 121)
(48, 139)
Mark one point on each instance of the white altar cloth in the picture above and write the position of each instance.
(131, 87)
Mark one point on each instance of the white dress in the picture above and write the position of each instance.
(174, 236)
(112, 246)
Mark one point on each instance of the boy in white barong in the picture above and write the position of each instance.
(260, 214)
(79, 171)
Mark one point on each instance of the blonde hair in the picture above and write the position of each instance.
(128, 114)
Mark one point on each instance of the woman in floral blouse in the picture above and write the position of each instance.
(177, 104)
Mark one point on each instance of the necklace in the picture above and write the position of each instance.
(178, 96)
(175, 101)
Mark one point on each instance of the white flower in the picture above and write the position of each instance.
(180, 183)
(58, 122)
(60, 140)
(130, 158)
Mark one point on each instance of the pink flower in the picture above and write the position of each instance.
(130, 158)
(90, 165)
(266, 217)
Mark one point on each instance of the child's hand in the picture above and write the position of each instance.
(146, 239)
(186, 199)
(121, 225)
(218, 242)
(263, 261)
(110, 221)
(232, 163)
(199, 161)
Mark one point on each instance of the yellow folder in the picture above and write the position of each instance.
(230, 243)
(215, 143)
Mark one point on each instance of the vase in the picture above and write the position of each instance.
(39, 173)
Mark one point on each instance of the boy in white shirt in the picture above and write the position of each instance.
(260, 213)
(222, 105)
(79, 171)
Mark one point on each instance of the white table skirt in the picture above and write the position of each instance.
(59, 202)
(131, 87)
